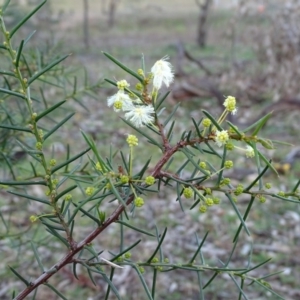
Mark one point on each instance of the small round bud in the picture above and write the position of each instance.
(39, 146)
(222, 137)
(166, 260)
(268, 185)
(41, 133)
(281, 193)
(206, 122)
(202, 165)
(5, 44)
(216, 200)
(139, 202)
(229, 146)
(231, 130)
(118, 104)
(98, 167)
(250, 152)
(132, 140)
(108, 186)
(90, 190)
(122, 84)
(154, 260)
(25, 80)
(226, 181)
(228, 164)
(149, 180)
(230, 104)
(188, 192)
(33, 218)
(120, 259)
(203, 208)
(150, 76)
(209, 201)
(140, 72)
(207, 191)
(261, 198)
(239, 190)
(127, 255)
(33, 116)
(139, 87)
(52, 162)
(142, 270)
(47, 193)
(159, 268)
(124, 179)
(68, 197)
(55, 181)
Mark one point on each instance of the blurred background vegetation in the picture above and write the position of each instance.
(248, 49)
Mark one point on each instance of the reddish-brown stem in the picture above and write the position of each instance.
(75, 248)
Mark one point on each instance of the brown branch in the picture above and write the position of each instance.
(68, 258)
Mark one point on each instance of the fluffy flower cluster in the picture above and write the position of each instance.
(222, 137)
(250, 152)
(162, 73)
(136, 111)
(230, 104)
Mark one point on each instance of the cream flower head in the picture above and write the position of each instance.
(140, 115)
(222, 137)
(162, 73)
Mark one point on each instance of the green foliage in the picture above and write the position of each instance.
(104, 191)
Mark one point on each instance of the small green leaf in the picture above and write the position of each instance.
(9, 92)
(143, 283)
(125, 250)
(213, 120)
(88, 214)
(10, 183)
(57, 126)
(266, 143)
(55, 291)
(161, 101)
(30, 197)
(267, 162)
(49, 110)
(199, 248)
(14, 30)
(19, 276)
(171, 114)
(50, 66)
(211, 280)
(17, 128)
(260, 123)
(143, 133)
(37, 257)
(7, 73)
(158, 246)
(69, 189)
(56, 168)
(19, 53)
(116, 193)
(29, 37)
(126, 69)
(135, 228)
(5, 5)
